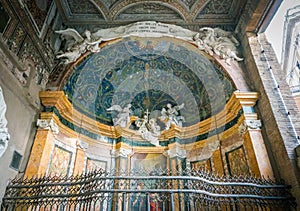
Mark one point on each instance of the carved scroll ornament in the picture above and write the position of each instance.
(48, 124)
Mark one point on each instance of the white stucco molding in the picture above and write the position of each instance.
(121, 152)
(176, 152)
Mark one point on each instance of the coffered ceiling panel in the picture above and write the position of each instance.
(103, 13)
(149, 11)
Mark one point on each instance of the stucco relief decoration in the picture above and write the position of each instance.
(213, 41)
(48, 124)
(253, 124)
(38, 10)
(4, 135)
(31, 59)
(27, 53)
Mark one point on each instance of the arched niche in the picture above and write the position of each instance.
(149, 73)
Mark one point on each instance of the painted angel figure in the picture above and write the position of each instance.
(123, 117)
(76, 44)
(171, 115)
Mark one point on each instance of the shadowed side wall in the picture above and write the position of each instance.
(273, 104)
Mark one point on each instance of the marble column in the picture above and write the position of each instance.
(120, 158)
(40, 155)
(256, 150)
(177, 157)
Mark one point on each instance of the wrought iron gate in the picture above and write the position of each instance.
(161, 190)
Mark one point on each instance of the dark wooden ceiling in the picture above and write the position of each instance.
(190, 13)
(250, 15)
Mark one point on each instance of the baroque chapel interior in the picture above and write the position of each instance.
(147, 105)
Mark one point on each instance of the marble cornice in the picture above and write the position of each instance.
(60, 101)
(65, 109)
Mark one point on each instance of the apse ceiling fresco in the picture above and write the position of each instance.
(192, 14)
(148, 73)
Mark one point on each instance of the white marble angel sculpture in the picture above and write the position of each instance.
(218, 41)
(123, 116)
(76, 44)
(149, 130)
(4, 135)
(226, 46)
(171, 115)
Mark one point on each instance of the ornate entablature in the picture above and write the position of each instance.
(60, 111)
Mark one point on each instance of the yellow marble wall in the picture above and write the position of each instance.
(219, 145)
